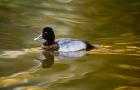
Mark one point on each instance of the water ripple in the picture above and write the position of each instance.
(127, 88)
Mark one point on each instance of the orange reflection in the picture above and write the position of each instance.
(18, 79)
(127, 88)
(124, 66)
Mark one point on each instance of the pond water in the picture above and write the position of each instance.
(112, 24)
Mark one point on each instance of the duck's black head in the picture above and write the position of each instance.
(48, 35)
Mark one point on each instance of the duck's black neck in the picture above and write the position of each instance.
(50, 42)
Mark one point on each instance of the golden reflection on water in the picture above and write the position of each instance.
(133, 47)
(124, 43)
(130, 67)
(127, 88)
(106, 49)
(71, 73)
(102, 49)
(132, 80)
(21, 78)
(32, 88)
(127, 34)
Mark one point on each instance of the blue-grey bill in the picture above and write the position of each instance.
(39, 38)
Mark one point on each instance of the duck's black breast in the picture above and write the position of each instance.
(52, 47)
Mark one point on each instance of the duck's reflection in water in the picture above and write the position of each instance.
(49, 57)
(71, 55)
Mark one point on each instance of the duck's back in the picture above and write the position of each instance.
(69, 44)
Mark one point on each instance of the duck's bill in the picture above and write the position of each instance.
(40, 37)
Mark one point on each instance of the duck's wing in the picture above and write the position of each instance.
(69, 44)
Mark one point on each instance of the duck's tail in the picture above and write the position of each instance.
(90, 46)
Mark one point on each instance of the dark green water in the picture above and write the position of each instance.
(112, 24)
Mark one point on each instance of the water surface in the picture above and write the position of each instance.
(112, 24)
